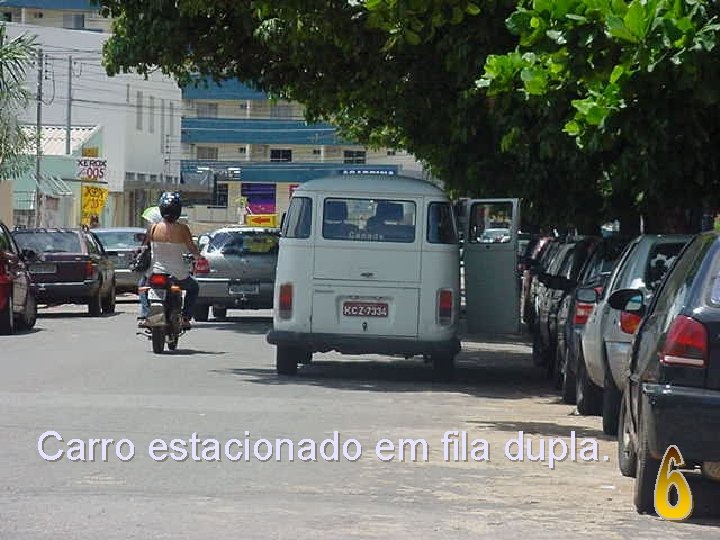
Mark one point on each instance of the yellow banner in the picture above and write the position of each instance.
(93, 202)
(261, 220)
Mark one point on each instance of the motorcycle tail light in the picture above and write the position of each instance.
(158, 280)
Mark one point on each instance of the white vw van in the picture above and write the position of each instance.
(368, 264)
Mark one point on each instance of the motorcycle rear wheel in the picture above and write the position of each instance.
(158, 340)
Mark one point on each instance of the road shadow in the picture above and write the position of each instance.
(192, 352)
(545, 429)
(23, 333)
(498, 374)
(251, 325)
(75, 315)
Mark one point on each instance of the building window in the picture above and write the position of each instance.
(7, 16)
(391, 152)
(280, 154)
(151, 114)
(207, 153)
(221, 195)
(139, 110)
(74, 21)
(281, 110)
(171, 119)
(206, 110)
(317, 151)
(129, 176)
(153, 178)
(242, 150)
(38, 15)
(354, 156)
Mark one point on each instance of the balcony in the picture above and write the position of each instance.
(232, 89)
(243, 131)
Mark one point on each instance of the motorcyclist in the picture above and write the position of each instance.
(169, 241)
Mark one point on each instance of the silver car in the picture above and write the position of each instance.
(603, 360)
(121, 244)
(242, 270)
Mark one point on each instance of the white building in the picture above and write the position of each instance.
(139, 119)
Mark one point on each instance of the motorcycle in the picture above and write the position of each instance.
(164, 321)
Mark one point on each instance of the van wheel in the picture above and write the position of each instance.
(220, 313)
(627, 456)
(539, 355)
(443, 366)
(588, 397)
(108, 303)
(568, 384)
(7, 318)
(29, 317)
(95, 304)
(201, 312)
(610, 404)
(286, 359)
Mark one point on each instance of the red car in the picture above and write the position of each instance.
(18, 308)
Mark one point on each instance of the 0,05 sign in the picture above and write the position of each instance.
(669, 476)
(91, 169)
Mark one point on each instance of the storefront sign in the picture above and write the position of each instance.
(93, 202)
(91, 169)
(262, 220)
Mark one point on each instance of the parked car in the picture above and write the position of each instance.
(542, 265)
(528, 267)
(72, 268)
(604, 355)
(242, 270)
(565, 270)
(573, 314)
(672, 390)
(18, 307)
(122, 245)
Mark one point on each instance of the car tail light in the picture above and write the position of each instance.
(285, 301)
(629, 322)
(686, 343)
(89, 270)
(158, 280)
(202, 266)
(445, 307)
(582, 312)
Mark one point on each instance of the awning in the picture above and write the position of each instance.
(49, 185)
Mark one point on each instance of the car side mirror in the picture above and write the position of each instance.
(29, 255)
(587, 295)
(628, 300)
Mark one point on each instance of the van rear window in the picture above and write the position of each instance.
(298, 221)
(369, 220)
(441, 228)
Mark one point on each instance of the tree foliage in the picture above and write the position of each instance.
(15, 57)
(586, 108)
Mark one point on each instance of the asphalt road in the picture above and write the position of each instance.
(94, 378)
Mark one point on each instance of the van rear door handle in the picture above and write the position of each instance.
(367, 274)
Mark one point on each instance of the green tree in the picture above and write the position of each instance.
(15, 57)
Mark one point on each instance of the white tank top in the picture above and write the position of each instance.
(167, 258)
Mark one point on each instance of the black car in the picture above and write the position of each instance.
(673, 391)
(573, 314)
(72, 267)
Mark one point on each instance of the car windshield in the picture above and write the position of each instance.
(49, 242)
(243, 243)
(120, 239)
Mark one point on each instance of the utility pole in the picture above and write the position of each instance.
(38, 135)
(68, 125)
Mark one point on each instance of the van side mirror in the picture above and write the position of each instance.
(628, 300)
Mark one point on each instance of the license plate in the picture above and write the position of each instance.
(364, 309)
(43, 268)
(157, 294)
(243, 289)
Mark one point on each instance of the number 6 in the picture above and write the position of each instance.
(668, 477)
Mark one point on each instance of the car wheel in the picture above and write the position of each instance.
(538, 355)
(610, 404)
(588, 397)
(645, 476)
(220, 313)
(108, 303)
(95, 304)
(158, 339)
(567, 386)
(201, 312)
(7, 319)
(627, 456)
(443, 366)
(29, 316)
(286, 359)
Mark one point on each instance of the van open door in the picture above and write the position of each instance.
(490, 255)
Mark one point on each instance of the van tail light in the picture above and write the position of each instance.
(582, 312)
(445, 307)
(89, 270)
(202, 266)
(629, 322)
(686, 344)
(159, 281)
(285, 301)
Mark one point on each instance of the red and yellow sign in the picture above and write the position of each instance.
(261, 220)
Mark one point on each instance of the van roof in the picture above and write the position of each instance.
(371, 183)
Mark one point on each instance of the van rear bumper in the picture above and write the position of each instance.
(362, 344)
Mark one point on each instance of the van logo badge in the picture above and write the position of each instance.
(364, 325)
